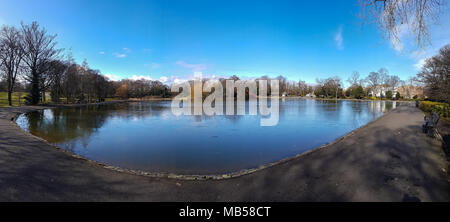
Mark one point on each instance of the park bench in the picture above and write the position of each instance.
(430, 123)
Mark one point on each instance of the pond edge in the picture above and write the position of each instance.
(24, 110)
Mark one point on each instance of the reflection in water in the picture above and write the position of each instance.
(147, 136)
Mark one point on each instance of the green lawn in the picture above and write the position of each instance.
(15, 99)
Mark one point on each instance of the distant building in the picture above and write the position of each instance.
(382, 90)
(409, 91)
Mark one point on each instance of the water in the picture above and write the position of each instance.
(147, 136)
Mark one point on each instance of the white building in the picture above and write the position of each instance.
(382, 90)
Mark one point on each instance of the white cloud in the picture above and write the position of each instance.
(418, 66)
(123, 54)
(193, 67)
(397, 43)
(112, 77)
(135, 77)
(119, 55)
(177, 80)
(421, 56)
(338, 39)
(163, 79)
(101, 53)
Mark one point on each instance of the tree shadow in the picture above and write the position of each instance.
(388, 160)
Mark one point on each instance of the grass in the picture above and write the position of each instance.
(18, 99)
(21, 95)
(15, 99)
(111, 99)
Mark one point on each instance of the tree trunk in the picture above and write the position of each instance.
(9, 98)
(9, 90)
(35, 91)
(43, 97)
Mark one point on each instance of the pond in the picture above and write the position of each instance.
(147, 136)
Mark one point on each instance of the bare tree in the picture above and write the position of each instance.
(435, 75)
(384, 77)
(304, 88)
(354, 80)
(282, 83)
(40, 49)
(11, 55)
(373, 81)
(328, 87)
(393, 82)
(392, 15)
(52, 79)
(336, 83)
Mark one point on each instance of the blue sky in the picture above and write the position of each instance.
(170, 39)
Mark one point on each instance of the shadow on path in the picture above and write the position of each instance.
(387, 160)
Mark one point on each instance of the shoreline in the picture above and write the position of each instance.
(337, 171)
(234, 174)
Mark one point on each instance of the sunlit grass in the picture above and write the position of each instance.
(20, 102)
(17, 99)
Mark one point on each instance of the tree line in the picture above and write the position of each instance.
(30, 61)
(140, 88)
(379, 84)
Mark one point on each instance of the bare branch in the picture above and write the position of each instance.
(392, 16)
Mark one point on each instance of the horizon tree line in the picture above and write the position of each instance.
(30, 60)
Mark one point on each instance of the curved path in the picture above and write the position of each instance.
(386, 160)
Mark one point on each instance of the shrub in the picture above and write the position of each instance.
(389, 95)
(347, 93)
(443, 109)
(358, 92)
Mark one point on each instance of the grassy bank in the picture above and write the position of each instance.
(17, 99)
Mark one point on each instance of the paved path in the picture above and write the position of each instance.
(387, 160)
